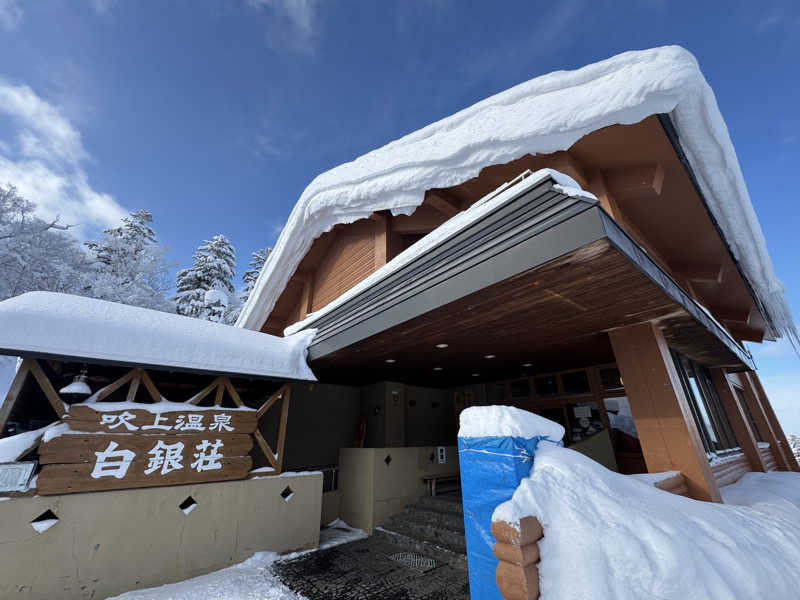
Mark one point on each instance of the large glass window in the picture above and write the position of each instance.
(712, 422)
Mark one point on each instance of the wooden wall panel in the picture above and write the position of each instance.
(730, 469)
(350, 258)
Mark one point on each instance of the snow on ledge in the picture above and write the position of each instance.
(506, 421)
(54, 324)
(608, 536)
(544, 115)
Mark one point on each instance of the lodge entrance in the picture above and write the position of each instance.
(590, 404)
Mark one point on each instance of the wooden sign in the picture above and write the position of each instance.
(83, 417)
(132, 447)
(94, 462)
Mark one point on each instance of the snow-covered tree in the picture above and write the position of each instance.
(257, 260)
(205, 290)
(794, 444)
(129, 265)
(35, 254)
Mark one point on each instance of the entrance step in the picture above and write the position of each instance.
(451, 539)
(439, 553)
(449, 503)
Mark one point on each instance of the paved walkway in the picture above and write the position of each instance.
(362, 570)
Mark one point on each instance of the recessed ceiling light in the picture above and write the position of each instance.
(526, 365)
(437, 368)
(476, 374)
(489, 356)
(390, 360)
(442, 345)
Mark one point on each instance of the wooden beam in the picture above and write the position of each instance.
(307, 296)
(746, 334)
(131, 397)
(667, 430)
(732, 315)
(381, 239)
(13, 393)
(710, 274)
(738, 420)
(47, 388)
(597, 185)
(272, 400)
(642, 181)
(268, 453)
(205, 391)
(233, 393)
(150, 386)
(283, 425)
(783, 443)
(220, 392)
(762, 423)
(112, 387)
(444, 202)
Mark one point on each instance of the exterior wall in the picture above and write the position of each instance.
(106, 543)
(372, 490)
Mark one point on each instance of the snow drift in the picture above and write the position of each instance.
(612, 536)
(544, 115)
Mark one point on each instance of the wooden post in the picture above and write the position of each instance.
(518, 552)
(782, 449)
(738, 420)
(763, 424)
(667, 431)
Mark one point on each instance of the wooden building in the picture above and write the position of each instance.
(457, 266)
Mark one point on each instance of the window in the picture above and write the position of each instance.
(576, 382)
(547, 385)
(709, 416)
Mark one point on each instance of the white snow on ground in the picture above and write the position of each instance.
(65, 325)
(608, 536)
(446, 230)
(543, 115)
(506, 421)
(252, 579)
(654, 478)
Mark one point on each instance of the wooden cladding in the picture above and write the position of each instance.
(769, 458)
(730, 468)
(350, 258)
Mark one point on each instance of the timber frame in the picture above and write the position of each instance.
(138, 377)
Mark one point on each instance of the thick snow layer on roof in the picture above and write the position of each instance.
(608, 536)
(12, 447)
(543, 115)
(506, 421)
(564, 184)
(74, 326)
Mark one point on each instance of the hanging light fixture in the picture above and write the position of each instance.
(77, 390)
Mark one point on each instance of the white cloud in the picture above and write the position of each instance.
(45, 157)
(10, 14)
(299, 15)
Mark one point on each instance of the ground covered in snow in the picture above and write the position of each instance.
(612, 536)
(252, 579)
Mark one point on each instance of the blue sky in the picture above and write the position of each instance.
(216, 115)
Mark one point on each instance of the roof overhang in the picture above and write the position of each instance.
(540, 262)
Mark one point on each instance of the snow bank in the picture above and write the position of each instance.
(252, 579)
(11, 447)
(777, 491)
(543, 115)
(506, 421)
(65, 325)
(564, 184)
(609, 536)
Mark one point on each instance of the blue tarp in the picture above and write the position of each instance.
(491, 470)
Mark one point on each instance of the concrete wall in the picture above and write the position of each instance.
(371, 490)
(108, 542)
(430, 416)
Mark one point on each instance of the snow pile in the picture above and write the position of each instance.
(74, 326)
(486, 205)
(609, 536)
(506, 421)
(777, 491)
(543, 115)
(252, 579)
(12, 447)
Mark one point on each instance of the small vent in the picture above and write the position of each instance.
(388, 459)
(44, 521)
(287, 494)
(188, 505)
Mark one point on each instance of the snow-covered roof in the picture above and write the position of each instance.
(62, 325)
(541, 116)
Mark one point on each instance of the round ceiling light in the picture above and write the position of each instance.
(391, 361)
(489, 356)
(437, 368)
(442, 346)
(526, 365)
